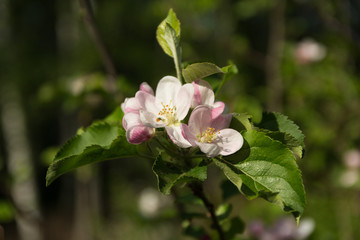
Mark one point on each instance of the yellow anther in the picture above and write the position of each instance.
(209, 135)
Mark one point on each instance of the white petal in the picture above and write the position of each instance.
(150, 119)
(210, 149)
(229, 141)
(183, 101)
(148, 102)
(203, 93)
(145, 87)
(167, 89)
(200, 119)
(131, 119)
(130, 105)
(188, 134)
(177, 137)
(221, 122)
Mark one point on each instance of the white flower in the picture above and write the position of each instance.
(210, 134)
(167, 108)
(204, 95)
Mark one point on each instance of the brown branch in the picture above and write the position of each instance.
(274, 56)
(104, 53)
(198, 191)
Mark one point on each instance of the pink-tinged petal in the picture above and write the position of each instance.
(200, 119)
(124, 124)
(221, 122)
(188, 134)
(203, 94)
(132, 119)
(210, 149)
(175, 134)
(167, 89)
(183, 101)
(229, 141)
(150, 119)
(145, 87)
(148, 102)
(218, 109)
(139, 134)
(130, 105)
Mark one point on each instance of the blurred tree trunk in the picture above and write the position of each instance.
(274, 56)
(20, 165)
(87, 197)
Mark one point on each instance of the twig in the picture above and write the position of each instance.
(198, 191)
(104, 53)
(274, 56)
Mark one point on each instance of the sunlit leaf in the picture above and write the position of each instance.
(200, 70)
(170, 22)
(241, 121)
(266, 168)
(99, 142)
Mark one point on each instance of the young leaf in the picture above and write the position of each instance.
(266, 168)
(161, 32)
(101, 141)
(200, 70)
(169, 174)
(229, 71)
(173, 44)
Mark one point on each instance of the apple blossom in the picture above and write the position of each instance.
(167, 108)
(204, 95)
(136, 131)
(211, 135)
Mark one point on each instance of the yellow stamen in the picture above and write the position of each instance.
(209, 135)
(168, 114)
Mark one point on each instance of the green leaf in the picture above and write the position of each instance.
(223, 211)
(115, 117)
(281, 128)
(99, 142)
(228, 190)
(170, 22)
(232, 227)
(266, 168)
(200, 70)
(229, 71)
(7, 211)
(241, 121)
(196, 232)
(169, 173)
(278, 122)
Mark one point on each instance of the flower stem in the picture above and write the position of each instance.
(177, 61)
(198, 191)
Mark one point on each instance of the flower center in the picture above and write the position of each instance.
(168, 114)
(208, 136)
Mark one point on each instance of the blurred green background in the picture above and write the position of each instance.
(300, 57)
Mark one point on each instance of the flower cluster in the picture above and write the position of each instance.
(207, 126)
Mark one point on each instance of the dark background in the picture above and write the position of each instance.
(301, 58)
